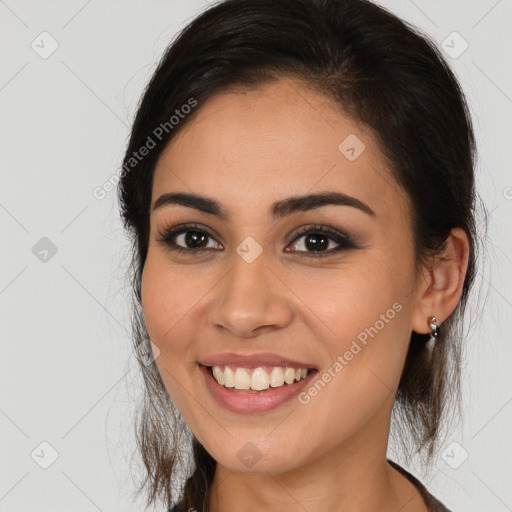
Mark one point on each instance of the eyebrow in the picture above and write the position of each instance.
(278, 210)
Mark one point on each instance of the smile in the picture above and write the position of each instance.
(258, 379)
(275, 386)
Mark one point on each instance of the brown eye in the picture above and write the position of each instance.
(195, 239)
(186, 238)
(319, 241)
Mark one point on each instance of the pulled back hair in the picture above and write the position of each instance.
(383, 73)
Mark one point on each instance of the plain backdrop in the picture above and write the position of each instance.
(71, 74)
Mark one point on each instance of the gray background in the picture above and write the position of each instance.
(67, 375)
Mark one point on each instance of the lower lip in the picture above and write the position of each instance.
(253, 402)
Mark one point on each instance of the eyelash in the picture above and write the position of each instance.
(344, 241)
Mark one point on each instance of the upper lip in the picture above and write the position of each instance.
(253, 360)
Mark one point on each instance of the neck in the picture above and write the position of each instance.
(354, 477)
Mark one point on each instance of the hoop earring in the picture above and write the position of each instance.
(434, 332)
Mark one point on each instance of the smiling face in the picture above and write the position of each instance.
(253, 282)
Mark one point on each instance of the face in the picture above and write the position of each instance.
(330, 286)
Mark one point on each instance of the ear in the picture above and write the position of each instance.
(442, 286)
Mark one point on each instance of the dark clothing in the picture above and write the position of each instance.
(432, 503)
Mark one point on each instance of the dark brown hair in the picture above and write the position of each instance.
(383, 73)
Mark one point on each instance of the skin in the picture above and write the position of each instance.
(247, 149)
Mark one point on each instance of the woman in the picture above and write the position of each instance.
(299, 189)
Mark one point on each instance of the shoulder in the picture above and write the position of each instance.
(433, 504)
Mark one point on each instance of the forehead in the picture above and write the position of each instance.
(249, 148)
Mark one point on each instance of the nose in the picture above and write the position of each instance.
(251, 299)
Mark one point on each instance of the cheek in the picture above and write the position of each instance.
(361, 318)
(165, 300)
(163, 307)
(359, 381)
(171, 302)
(347, 300)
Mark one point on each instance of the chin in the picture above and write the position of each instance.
(249, 457)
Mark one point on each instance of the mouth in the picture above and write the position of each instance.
(260, 379)
(238, 396)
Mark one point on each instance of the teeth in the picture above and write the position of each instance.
(219, 375)
(289, 375)
(242, 379)
(229, 377)
(259, 379)
(277, 377)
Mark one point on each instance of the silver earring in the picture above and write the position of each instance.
(434, 331)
